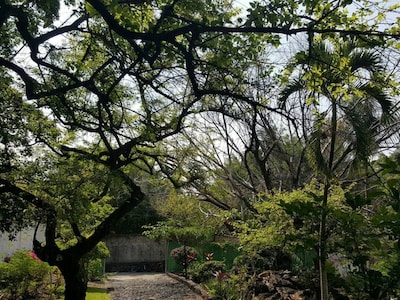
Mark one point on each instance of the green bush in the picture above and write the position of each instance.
(95, 269)
(203, 271)
(24, 276)
(221, 289)
(93, 262)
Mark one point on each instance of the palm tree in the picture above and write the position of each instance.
(346, 105)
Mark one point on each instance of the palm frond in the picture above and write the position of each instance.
(377, 93)
(314, 152)
(362, 122)
(293, 86)
(364, 59)
(319, 53)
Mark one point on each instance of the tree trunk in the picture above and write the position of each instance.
(323, 235)
(323, 276)
(75, 279)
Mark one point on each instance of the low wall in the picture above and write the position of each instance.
(22, 241)
(130, 253)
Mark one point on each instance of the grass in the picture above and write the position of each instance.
(96, 293)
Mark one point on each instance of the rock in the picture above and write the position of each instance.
(274, 285)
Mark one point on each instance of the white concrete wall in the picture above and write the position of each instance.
(134, 249)
(123, 248)
(23, 240)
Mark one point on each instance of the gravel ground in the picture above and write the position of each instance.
(148, 286)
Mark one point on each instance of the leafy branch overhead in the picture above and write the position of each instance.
(107, 103)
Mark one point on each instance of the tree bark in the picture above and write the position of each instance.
(323, 236)
(75, 279)
(323, 276)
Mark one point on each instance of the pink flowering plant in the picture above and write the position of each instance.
(33, 255)
(25, 276)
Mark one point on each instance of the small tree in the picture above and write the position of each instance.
(184, 256)
(185, 223)
(347, 112)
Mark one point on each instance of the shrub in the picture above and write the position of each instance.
(202, 272)
(184, 255)
(94, 269)
(24, 276)
(93, 262)
(221, 289)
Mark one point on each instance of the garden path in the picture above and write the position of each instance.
(148, 286)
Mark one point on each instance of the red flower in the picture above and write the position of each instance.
(220, 275)
(209, 256)
(183, 255)
(191, 256)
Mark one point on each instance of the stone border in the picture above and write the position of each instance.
(192, 285)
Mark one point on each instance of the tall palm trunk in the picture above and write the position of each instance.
(323, 236)
(322, 255)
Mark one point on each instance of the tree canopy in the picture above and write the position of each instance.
(223, 103)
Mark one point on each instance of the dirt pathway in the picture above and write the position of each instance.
(148, 286)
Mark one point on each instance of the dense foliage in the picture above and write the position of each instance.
(270, 122)
(24, 276)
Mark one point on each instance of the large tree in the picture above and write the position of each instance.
(104, 92)
(112, 84)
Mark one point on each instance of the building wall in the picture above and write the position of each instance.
(128, 252)
(134, 253)
(23, 241)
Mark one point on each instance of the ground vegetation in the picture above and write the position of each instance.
(103, 102)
